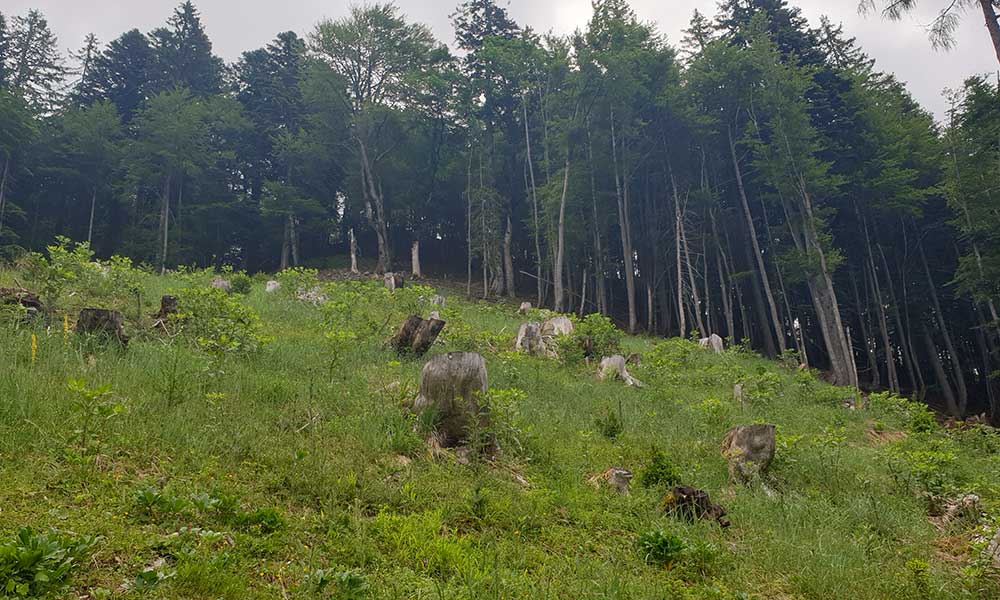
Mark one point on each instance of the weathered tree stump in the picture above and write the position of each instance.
(454, 386)
(613, 367)
(220, 283)
(168, 306)
(749, 450)
(21, 297)
(616, 477)
(272, 286)
(437, 300)
(529, 338)
(525, 307)
(993, 550)
(393, 281)
(739, 397)
(103, 323)
(714, 342)
(557, 326)
(417, 335)
(693, 504)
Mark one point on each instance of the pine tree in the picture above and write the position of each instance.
(121, 74)
(36, 68)
(183, 54)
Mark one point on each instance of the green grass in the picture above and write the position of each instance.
(274, 475)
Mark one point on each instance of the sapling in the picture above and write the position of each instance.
(93, 406)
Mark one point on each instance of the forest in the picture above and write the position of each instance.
(760, 179)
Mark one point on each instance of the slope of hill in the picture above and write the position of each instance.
(259, 446)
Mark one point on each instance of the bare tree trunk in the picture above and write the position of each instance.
(722, 264)
(583, 294)
(678, 234)
(956, 363)
(3, 191)
(598, 252)
(294, 235)
(415, 260)
(624, 223)
(90, 224)
(286, 245)
(354, 250)
(376, 217)
(990, 13)
(557, 275)
(758, 256)
(695, 299)
(164, 223)
(534, 203)
(508, 259)
(468, 222)
(946, 390)
(875, 373)
(890, 354)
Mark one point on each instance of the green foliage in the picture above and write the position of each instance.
(337, 585)
(241, 283)
(94, 407)
(659, 547)
(67, 265)
(610, 424)
(595, 337)
(660, 472)
(34, 564)
(297, 280)
(218, 324)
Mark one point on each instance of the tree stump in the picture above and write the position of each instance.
(749, 450)
(557, 326)
(454, 386)
(693, 504)
(714, 342)
(168, 306)
(529, 338)
(223, 284)
(272, 286)
(417, 335)
(437, 300)
(102, 322)
(616, 477)
(525, 307)
(613, 367)
(21, 297)
(393, 281)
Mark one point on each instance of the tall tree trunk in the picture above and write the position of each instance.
(508, 259)
(910, 358)
(375, 209)
(599, 287)
(354, 250)
(779, 330)
(557, 274)
(942, 377)
(534, 203)
(875, 373)
(678, 235)
(164, 223)
(468, 223)
(956, 363)
(883, 322)
(3, 192)
(624, 223)
(90, 224)
(990, 13)
(293, 228)
(286, 245)
(415, 260)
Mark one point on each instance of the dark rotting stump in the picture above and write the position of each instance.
(22, 297)
(693, 504)
(101, 322)
(168, 306)
(416, 335)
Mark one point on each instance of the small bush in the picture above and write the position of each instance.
(593, 337)
(35, 564)
(218, 323)
(241, 283)
(658, 547)
(610, 424)
(339, 585)
(660, 472)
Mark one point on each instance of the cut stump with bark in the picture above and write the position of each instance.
(613, 367)
(417, 335)
(272, 286)
(525, 307)
(749, 450)
(21, 297)
(615, 477)
(714, 342)
(453, 386)
(529, 339)
(393, 281)
(693, 504)
(101, 322)
(168, 306)
(223, 284)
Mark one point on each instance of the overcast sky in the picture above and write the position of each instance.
(238, 25)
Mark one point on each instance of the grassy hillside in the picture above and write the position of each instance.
(276, 459)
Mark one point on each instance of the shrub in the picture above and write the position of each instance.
(660, 472)
(67, 264)
(340, 585)
(593, 337)
(610, 424)
(241, 283)
(658, 547)
(297, 280)
(218, 323)
(35, 564)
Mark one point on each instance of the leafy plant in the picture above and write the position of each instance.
(338, 585)
(93, 407)
(219, 324)
(659, 547)
(610, 424)
(241, 283)
(593, 337)
(660, 472)
(35, 564)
